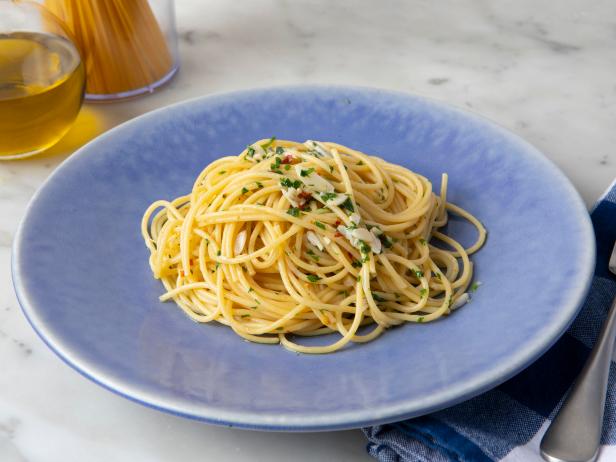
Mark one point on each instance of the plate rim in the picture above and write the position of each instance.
(452, 395)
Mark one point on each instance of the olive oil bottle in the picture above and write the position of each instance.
(42, 82)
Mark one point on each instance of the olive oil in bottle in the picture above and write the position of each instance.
(42, 83)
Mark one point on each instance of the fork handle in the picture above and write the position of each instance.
(575, 432)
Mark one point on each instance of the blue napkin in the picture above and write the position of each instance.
(507, 422)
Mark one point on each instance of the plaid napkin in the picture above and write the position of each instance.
(508, 422)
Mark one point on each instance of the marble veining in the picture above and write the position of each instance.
(9, 427)
(544, 70)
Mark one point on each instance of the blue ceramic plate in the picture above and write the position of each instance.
(81, 274)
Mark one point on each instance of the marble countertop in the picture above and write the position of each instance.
(543, 70)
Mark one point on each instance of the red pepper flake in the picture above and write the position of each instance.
(305, 195)
(288, 159)
(337, 234)
(338, 222)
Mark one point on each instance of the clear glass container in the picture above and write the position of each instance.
(42, 79)
(129, 47)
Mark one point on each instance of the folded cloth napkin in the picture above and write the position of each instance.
(508, 422)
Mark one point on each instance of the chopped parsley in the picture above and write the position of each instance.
(313, 278)
(294, 211)
(386, 241)
(312, 255)
(437, 275)
(377, 297)
(306, 172)
(268, 143)
(423, 293)
(250, 290)
(348, 204)
(287, 167)
(420, 319)
(217, 265)
(275, 166)
(422, 241)
(259, 184)
(218, 253)
(279, 150)
(356, 264)
(289, 183)
(318, 224)
(251, 151)
(245, 316)
(331, 169)
(418, 273)
(328, 196)
(474, 286)
(364, 249)
(244, 190)
(361, 162)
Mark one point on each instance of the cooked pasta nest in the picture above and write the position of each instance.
(295, 239)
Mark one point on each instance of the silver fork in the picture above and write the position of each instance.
(575, 432)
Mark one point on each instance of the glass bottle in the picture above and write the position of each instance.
(42, 79)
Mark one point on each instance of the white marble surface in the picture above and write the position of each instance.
(546, 70)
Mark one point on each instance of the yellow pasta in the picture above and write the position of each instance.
(300, 239)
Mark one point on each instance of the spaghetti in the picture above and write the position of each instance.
(121, 43)
(291, 239)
